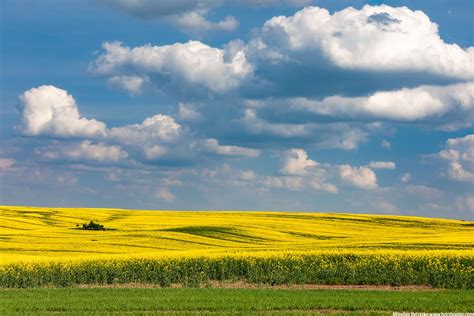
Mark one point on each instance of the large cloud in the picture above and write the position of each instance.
(193, 63)
(314, 54)
(48, 110)
(375, 38)
(51, 111)
(455, 102)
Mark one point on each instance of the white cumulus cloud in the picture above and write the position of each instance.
(359, 177)
(48, 110)
(376, 38)
(192, 63)
(459, 153)
(299, 172)
(296, 162)
(158, 128)
(419, 103)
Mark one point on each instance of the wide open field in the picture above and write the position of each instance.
(39, 234)
(41, 246)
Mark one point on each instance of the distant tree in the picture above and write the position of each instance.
(92, 226)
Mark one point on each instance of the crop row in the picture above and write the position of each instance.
(437, 271)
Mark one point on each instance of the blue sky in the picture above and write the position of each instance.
(295, 105)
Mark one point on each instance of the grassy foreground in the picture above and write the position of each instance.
(107, 301)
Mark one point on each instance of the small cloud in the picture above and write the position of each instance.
(287, 182)
(133, 84)
(113, 177)
(386, 144)
(84, 151)
(164, 194)
(6, 164)
(296, 162)
(318, 185)
(405, 177)
(385, 206)
(196, 23)
(424, 191)
(67, 179)
(247, 175)
(390, 165)
(459, 153)
(359, 177)
(465, 203)
(172, 182)
(188, 16)
(211, 145)
(187, 112)
(154, 152)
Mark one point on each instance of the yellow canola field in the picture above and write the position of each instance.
(41, 234)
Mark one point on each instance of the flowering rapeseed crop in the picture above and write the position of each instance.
(41, 246)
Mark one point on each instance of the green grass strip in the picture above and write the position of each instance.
(107, 301)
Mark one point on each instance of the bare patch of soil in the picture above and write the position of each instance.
(245, 285)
